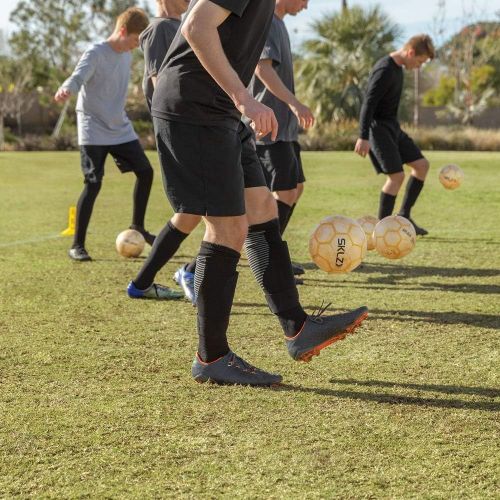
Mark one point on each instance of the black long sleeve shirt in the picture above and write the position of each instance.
(383, 94)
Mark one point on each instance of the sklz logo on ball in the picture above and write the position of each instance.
(339, 260)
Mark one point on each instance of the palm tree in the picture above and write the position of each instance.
(333, 67)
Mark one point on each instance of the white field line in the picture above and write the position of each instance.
(30, 241)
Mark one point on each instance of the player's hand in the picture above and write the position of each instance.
(303, 114)
(262, 118)
(62, 95)
(362, 147)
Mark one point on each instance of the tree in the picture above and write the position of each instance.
(14, 80)
(471, 64)
(333, 68)
(50, 34)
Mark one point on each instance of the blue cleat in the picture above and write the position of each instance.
(232, 370)
(158, 292)
(185, 280)
(320, 331)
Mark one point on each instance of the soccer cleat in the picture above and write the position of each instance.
(419, 230)
(150, 238)
(79, 254)
(232, 370)
(297, 269)
(299, 281)
(320, 331)
(158, 292)
(185, 280)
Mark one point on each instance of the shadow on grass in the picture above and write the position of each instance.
(399, 271)
(440, 318)
(446, 389)
(395, 399)
(385, 282)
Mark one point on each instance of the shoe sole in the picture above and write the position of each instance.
(201, 380)
(307, 356)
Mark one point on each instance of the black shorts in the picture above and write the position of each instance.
(391, 148)
(281, 164)
(128, 156)
(206, 168)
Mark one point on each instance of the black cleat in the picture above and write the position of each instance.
(150, 238)
(297, 269)
(232, 370)
(419, 230)
(79, 254)
(320, 331)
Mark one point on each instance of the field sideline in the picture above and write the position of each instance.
(96, 397)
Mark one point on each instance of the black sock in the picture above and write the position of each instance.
(413, 189)
(164, 247)
(283, 215)
(142, 189)
(386, 206)
(191, 267)
(84, 211)
(214, 282)
(270, 262)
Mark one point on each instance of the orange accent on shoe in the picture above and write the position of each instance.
(209, 363)
(298, 333)
(307, 356)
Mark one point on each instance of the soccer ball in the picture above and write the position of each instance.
(130, 243)
(394, 237)
(451, 176)
(368, 223)
(338, 244)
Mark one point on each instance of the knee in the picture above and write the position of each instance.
(93, 188)
(425, 166)
(289, 196)
(185, 222)
(300, 190)
(420, 168)
(396, 180)
(236, 233)
(145, 174)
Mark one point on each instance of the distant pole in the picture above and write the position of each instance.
(416, 96)
(344, 4)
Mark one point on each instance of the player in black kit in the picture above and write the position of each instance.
(211, 169)
(381, 136)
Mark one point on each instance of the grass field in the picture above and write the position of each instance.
(96, 398)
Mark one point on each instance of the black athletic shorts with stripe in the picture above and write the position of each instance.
(206, 168)
(281, 164)
(128, 156)
(390, 147)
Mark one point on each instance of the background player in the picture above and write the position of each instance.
(155, 41)
(274, 86)
(380, 133)
(101, 81)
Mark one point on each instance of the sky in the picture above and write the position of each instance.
(411, 19)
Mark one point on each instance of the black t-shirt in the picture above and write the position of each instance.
(383, 94)
(186, 92)
(155, 41)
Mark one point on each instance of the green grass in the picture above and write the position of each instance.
(96, 398)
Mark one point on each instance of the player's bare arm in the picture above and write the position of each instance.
(268, 76)
(200, 30)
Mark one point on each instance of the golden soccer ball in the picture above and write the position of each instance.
(130, 243)
(394, 237)
(451, 176)
(368, 223)
(337, 244)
